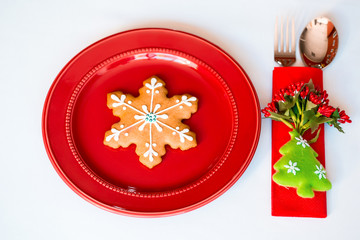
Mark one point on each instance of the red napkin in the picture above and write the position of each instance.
(285, 202)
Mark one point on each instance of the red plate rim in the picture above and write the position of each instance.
(191, 207)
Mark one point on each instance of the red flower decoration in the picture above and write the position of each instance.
(304, 92)
(326, 110)
(270, 108)
(291, 103)
(314, 98)
(344, 117)
(319, 98)
(291, 90)
(324, 96)
(284, 91)
(294, 88)
(278, 97)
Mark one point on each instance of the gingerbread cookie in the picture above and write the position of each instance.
(151, 121)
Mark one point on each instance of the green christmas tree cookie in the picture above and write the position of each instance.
(299, 168)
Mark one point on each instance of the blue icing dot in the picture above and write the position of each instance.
(150, 117)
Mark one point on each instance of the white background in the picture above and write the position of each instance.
(37, 38)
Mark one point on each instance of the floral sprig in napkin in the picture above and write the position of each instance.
(302, 106)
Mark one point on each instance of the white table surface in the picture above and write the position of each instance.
(37, 38)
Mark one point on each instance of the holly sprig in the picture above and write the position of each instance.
(302, 106)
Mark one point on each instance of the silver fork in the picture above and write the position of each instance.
(284, 57)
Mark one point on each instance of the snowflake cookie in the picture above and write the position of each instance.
(151, 121)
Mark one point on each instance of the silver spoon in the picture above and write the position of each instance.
(319, 43)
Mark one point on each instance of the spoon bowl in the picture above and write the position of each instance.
(319, 43)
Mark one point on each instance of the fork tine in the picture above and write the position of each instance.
(292, 35)
(284, 56)
(276, 43)
(281, 35)
(287, 36)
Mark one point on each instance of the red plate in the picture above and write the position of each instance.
(76, 117)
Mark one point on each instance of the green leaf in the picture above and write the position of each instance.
(287, 113)
(308, 115)
(289, 103)
(310, 105)
(336, 114)
(277, 116)
(323, 119)
(311, 86)
(337, 126)
(316, 137)
(314, 125)
(282, 106)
